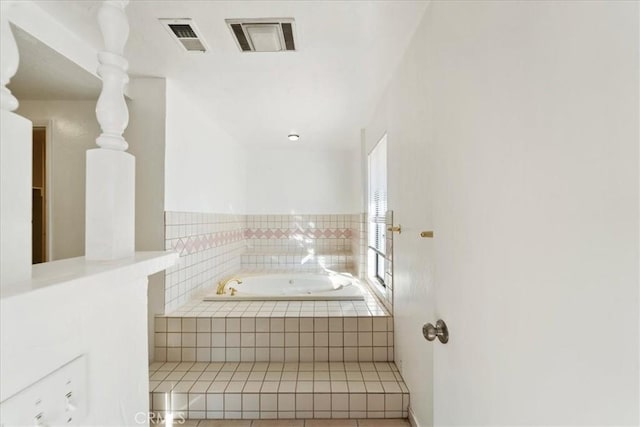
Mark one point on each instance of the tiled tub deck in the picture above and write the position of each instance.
(276, 331)
(274, 339)
(277, 360)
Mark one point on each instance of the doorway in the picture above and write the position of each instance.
(39, 197)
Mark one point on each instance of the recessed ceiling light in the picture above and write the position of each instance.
(293, 137)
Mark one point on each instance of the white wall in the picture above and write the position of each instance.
(513, 134)
(207, 171)
(403, 114)
(205, 168)
(302, 181)
(15, 198)
(114, 345)
(146, 137)
(73, 308)
(74, 130)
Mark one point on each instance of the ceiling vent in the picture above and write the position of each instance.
(185, 32)
(263, 35)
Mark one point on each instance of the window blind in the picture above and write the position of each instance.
(377, 208)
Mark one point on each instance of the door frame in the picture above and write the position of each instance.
(48, 125)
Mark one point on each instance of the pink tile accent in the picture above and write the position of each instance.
(193, 244)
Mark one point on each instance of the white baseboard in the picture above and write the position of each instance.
(412, 419)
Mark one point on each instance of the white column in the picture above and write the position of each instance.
(15, 167)
(10, 57)
(110, 199)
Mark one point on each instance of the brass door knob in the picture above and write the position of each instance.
(426, 234)
(396, 228)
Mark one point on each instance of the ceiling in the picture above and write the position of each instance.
(44, 74)
(325, 91)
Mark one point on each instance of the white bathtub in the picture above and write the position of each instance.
(291, 287)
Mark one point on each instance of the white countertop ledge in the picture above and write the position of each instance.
(79, 271)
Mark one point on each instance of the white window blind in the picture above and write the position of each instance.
(377, 209)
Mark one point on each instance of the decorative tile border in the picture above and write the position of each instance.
(318, 234)
(192, 244)
(210, 246)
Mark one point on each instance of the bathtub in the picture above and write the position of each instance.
(291, 287)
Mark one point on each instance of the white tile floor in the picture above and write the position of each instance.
(265, 390)
(290, 423)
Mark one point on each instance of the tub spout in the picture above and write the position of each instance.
(223, 283)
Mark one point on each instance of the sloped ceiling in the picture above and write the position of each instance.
(44, 74)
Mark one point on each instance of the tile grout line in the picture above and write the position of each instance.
(379, 343)
(280, 367)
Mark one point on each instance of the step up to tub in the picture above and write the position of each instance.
(318, 331)
(269, 390)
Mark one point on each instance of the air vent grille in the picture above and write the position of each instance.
(287, 32)
(264, 35)
(185, 32)
(193, 45)
(241, 37)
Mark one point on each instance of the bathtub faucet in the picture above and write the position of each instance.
(223, 283)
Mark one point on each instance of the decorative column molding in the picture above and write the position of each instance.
(112, 111)
(10, 57)
(110, 191)
(15, 167)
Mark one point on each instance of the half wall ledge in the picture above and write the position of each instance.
(79, 271)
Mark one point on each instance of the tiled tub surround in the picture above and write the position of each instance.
(271, 359)
(274, 339)
(362, 255)
(214, 246)
(386, 293)
(322, 233)
(359, 244)
(270, 259)
(310, 243)
(269, 390)
(209, 245)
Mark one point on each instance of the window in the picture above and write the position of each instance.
(377, 211)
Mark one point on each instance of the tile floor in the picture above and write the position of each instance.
(290, 423)
(270, 390)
